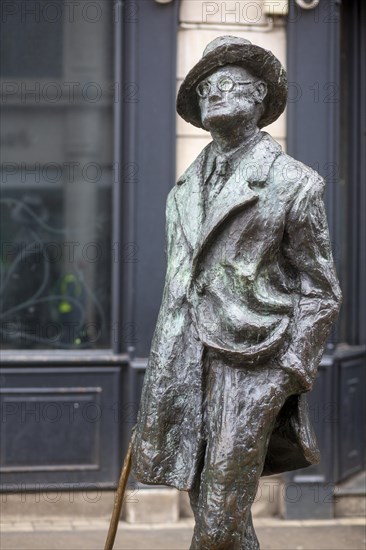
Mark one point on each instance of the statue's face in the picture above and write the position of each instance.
(229, 95)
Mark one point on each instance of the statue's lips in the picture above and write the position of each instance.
(213, 106)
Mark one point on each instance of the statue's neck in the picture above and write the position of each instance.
(228, 142)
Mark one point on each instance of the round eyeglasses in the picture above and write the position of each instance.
(225, 84)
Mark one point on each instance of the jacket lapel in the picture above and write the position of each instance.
(242, 188)
(189, 197)
(235, 194)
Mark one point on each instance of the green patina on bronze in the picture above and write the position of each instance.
(249, 299)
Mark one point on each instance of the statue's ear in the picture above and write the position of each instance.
(260, 91)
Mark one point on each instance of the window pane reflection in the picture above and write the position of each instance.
(56, 175)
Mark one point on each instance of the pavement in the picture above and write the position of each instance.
(88, 534)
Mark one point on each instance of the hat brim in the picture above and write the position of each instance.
(258, 61)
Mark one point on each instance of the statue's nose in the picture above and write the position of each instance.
(214, 94)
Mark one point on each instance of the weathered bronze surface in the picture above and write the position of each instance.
(249, 299)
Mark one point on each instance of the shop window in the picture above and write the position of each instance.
(56, 174)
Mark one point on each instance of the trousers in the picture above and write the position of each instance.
(240, 408)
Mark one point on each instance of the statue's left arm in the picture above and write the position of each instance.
(308, 249)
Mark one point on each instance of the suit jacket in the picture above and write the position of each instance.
(253, 279)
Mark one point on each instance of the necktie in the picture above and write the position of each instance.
(218, 178)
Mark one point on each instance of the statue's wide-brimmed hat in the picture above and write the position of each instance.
(231, 50)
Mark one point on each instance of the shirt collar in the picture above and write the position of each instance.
(233, 157)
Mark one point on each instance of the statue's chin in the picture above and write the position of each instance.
(226, 120)
(217, 121)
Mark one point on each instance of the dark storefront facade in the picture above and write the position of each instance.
(87, 159)
(326, 129)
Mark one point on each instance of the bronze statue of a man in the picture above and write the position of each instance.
(249, 298)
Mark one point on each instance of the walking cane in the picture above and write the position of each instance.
(113, 526)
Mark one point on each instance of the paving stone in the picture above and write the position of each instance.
(153, 506)
(273, 535)
(23, 526)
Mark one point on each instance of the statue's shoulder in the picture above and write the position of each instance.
(295, 175)
(197, 167)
